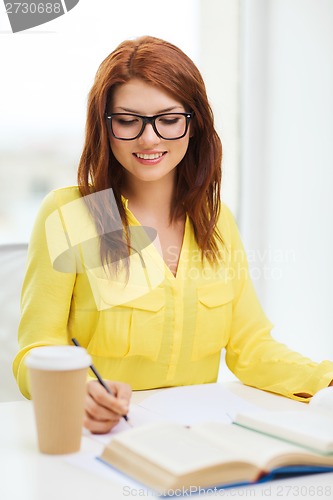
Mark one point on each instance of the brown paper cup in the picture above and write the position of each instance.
(58, 376)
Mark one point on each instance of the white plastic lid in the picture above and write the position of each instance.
(64, 357)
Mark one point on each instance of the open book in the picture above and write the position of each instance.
(167, 456)
(312, 428)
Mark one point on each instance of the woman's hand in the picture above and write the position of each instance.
(103, 411)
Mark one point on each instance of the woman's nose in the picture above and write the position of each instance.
(149, 136)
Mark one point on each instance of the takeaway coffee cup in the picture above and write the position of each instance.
(58, 376)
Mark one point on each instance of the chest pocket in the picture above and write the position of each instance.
(131, 329)
(214, 316)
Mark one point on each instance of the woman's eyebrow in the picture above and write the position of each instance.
(166, 110)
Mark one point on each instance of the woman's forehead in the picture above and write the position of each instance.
(138, 96)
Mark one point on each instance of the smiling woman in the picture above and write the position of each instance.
(141, 262)
(136, 143)
(148, 77)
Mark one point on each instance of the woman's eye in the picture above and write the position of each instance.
(169, 121)
(126, 123)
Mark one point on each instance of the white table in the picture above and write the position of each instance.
(26, 474)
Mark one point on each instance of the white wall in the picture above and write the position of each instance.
(46, 74)
(287, 166)
(219, 63)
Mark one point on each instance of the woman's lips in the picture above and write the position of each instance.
(149, 158)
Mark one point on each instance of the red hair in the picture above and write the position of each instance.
(198, 178)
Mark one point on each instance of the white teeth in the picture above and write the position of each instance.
(149, 157)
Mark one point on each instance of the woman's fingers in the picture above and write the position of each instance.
(123, 393)
(100, 425)
(103, 410)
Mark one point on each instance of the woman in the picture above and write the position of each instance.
(141, 262)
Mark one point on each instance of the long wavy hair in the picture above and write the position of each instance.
(198, 175)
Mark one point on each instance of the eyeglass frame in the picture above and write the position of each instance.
(151, 121)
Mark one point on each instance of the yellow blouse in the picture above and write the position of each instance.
(151, 329)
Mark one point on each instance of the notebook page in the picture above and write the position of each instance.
(192, 404)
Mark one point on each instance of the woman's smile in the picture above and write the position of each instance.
(150, 157)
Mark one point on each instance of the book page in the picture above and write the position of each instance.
(174, 447)
(260, 449)
(309, 429)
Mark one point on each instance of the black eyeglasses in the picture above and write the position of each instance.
(167, 126)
